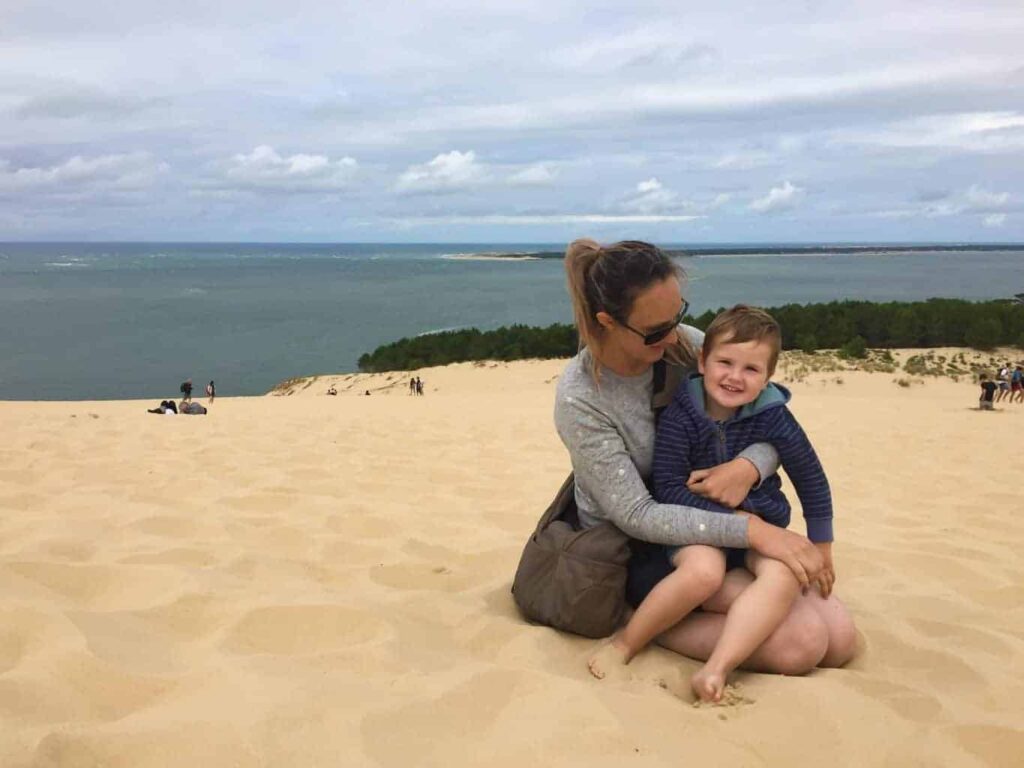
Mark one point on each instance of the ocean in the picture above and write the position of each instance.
(91, 321)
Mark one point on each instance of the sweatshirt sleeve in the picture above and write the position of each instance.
(806, 473)
(672, 463)
(606, 473)
(765, 459)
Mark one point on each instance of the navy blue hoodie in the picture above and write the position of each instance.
(689, 439)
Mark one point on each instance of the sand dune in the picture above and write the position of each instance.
(324, 581)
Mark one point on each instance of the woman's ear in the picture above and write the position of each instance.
(606, 320)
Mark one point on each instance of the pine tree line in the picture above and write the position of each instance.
(837, 324)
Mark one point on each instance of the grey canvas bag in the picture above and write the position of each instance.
(574, 579)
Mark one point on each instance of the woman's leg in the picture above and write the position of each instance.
(814, 631)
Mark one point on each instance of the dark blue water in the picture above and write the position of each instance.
(95, 321)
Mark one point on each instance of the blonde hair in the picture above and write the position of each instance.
(608, 279)
(741, 324)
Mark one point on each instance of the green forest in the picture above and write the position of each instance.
(847, 325)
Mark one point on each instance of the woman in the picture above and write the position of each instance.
(628, 308)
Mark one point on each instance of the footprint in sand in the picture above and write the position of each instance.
(437, 578)
(80, 687)
(998, 746)
(646, 670)
(296, 630)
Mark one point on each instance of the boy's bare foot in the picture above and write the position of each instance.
(609, 659)
(708, 684)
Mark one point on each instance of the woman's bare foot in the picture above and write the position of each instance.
(609, 659)
(708, 684)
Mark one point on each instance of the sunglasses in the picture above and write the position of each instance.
(653, 337)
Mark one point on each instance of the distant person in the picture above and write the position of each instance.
(1017, 385)
(211, 391)
(988, 391)
(419, 386)
(412, 386)
(367, 393)
(331, 390)
(165, 407)
(1004, 382)
(186, 390)
(191, 409)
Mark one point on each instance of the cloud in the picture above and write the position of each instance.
(972, 201)
(965, 131)
(979, 199)
(68, 103)
(538, 174)
(117, 173)
(265, 169)
(645, 47)
(743, 161)
(546, 218)
(782, 198)
(450, 171)
(651, 197)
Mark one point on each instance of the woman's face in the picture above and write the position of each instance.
(654, 308)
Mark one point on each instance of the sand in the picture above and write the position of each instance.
(324, 581)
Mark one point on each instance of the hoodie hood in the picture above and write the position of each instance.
(772, 396)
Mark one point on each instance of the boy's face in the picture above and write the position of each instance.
(735, 374)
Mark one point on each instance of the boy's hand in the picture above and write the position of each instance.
(827, 577)
(727, 484)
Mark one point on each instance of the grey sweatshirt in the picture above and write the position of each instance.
(609, 431)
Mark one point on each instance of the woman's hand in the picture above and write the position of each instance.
(827, 577)
(796, 551)
(727, 484)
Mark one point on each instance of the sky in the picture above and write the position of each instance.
(525, 121)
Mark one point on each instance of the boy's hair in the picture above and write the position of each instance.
(744, 323)
(983, 377)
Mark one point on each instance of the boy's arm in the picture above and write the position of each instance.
(806, 473)
(672, 465)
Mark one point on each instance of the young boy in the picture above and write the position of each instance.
(988, 390)
(714, 416)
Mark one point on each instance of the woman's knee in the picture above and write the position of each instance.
(800, 644)
(842, 634)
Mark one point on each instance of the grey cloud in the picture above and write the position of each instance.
(73, 103)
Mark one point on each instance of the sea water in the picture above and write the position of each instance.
(113, 321)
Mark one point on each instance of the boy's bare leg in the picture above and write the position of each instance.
(753, 616)
(698, 575)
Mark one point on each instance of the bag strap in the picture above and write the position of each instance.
(666, 379)
(566, 495)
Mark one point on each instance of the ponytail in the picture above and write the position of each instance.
(608, 279)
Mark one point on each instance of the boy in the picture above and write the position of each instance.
(714, 416)
(988, 390)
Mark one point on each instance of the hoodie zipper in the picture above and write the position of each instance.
(723, 456)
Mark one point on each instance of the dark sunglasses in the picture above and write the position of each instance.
(653, 337)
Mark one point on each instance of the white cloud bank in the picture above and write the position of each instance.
(450, 171)
(456, 171)
(265, 169)
(119, 172)
(783, 198)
